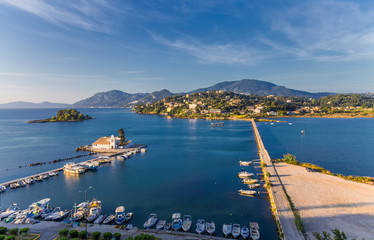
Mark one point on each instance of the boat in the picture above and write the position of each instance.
(210, 227)
(45, 176)
(271, 123)
(94, 210)
(245, 163)
(143, 150)
(36, 209)
(9, 211)
(89, 166)
(187, 223)
(120, 215)
(254, 230)
(176, 222)
(109, 219)
(200, 226)
(167, 226)
(21, 183)
(50, 216)
(2, 188)
(244, 232)
(30, 221)
(73, 168)
(302, 132)
(53, 173)
(250, 181)
(247, 192)
(160, 225)
(251, 186)
(38, 178)
(48, 212)
(125, 156)
(290, 123)
(29, 181)
(235, 230)
(13, 185)
(79, 211)
(60, 215)
(100, 219)
(128, 216)
(245, 174)
(152, 220)
(227, 229)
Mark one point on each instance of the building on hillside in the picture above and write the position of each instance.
(106, 143)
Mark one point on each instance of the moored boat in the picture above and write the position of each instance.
(254, 230)
(235, 230)
(247, 192)
(60, 215)
(54, 213)
(200, 226)
(245, 163)
(250, 181)
(245, 174)
(2, 188)
(176, 221)
(9, 211)
(210, 227)
(29, 181)
(120, 215)
(251, 186)
(73, 168)
(94, 210)
(167, 226)
(160, 225)
(79, 211)
(187, 223)
(227, 229)
(128, 216)
(100, 219)
(152, 220)
(244, 232)
(38, 178)
(109, 219)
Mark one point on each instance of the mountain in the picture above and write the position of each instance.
(45, 104)
(117, 98)
(252, 86)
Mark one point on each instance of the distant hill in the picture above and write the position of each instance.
(262, 88)
(21, 104)
(117, 98)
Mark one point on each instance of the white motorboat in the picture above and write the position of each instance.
(210, 227)
(227, 229)
(94, 210)
(176, 222)
(152, 220)
(143, 150)
(167, 226)
(160, 225)
(245, 174)
(53, 173)
(187, 223)
(48, 212)
(247, 192)
(109, 219)
(73, 168)
(120, 215)
(245, 163)
(251, 186)
(128, 216)
(29, 181)
(45, 176)
(125, 156)
(100, 219)
(21, 183)
(244, 232)
(250, 181)
(235, 230)
(30, 221)
(2, 188)
(200, 226)
(254, 230)
(79, 211)
(54, 213)
(13, 185)
(38, 178)
(60, 215)
(36, 209)
(9, 211)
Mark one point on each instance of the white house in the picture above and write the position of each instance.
(106, 143)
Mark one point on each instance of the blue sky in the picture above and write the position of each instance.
(64, 51)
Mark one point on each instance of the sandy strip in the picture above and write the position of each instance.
(326, 202)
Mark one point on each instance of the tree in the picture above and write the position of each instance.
(121, 135)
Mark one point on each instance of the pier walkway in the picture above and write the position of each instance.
(283, 209)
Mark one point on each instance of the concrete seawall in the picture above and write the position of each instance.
(280, 205)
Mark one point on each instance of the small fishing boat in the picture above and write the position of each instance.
(251, 186)
(38, 178)
(54, 213)
(244, 232)
(235, 230)
(128, 216)
(290, 123)
(120, 215)
(79, 211)
(73, 168)
(2, 188)
(160, 225)
(143, 150)
(249, 181)
(30, 221)
(36, 209)
(247, 192)
(254, 230)
(245, 174)
(245, 163)
(152, 220)
(89, 166)
(29, 181)
(9, 211)
(210, 227)
(60, 215)
(227, 229)
(13, 185)
(187, 223)
(176, 222)
(45, 176)
(200, 226)
(94, 210)
(109, 219)
(53, 173)
(21, 183)
(47, 212)
(125, 156)
(167, 226)
(100, 219)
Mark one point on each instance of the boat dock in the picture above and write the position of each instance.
(137, 147)
(280, 205)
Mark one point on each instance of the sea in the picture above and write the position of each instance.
(190, 167)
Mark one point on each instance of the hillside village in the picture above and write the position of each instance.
(222, 104)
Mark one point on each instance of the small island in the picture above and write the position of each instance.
(65, 115)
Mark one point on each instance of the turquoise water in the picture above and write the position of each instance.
(190, 167)
(340, 145)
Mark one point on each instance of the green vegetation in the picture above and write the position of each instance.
(96, 235)
(13, 231)
(2, 237)
(73, 233)
(65, 115)
(10, 237)
(291, 159)
(107, 236)
(82, 234)
(3, 230)
(337, 235)
(24, 230)
(117, 236)
(121, 135)
(144, 236)
(227, 105)
(63, 232)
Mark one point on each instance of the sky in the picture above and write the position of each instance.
(68, 50)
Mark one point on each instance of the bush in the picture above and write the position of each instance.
(108, 236)
(2, 237)
(144, 236)
(73, 233)
(117, 236)
(96, 235)
(75, 239)
(13, 231)
(63, 238)
(63, 232)
(3, 230)
(24, 230)
(10, 237)
(82, 234)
